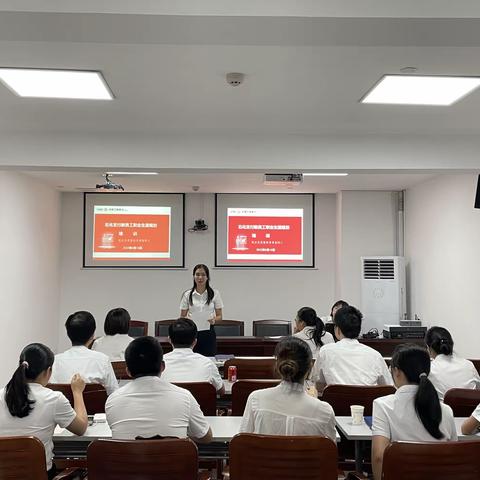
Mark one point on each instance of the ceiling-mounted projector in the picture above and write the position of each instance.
(109, 185)
(283, 179)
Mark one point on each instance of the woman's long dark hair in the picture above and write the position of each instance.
(414, 362)
(210, 292)
(34, 359)
(309, 317)
(439, 340)
(294, 359)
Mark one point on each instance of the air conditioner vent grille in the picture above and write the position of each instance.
(378, 269)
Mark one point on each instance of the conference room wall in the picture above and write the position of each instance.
(367, 226)
(443, 248)
(248, 294)
(29, 246)
(155, 294)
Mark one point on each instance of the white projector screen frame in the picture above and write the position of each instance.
(299, 208)
(166, 208)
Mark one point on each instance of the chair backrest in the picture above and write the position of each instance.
(138, 328)
(252, 367)
(161, 327)
(229, 328)
(243, 388)
(340, 397)
(462, 400)
(120, 370)
(22, 458)
(436, 460)
(272, 328)
(272, 457)
(94, 396)
(204, 393)
(172, 459)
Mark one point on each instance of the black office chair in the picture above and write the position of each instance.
(272, 328)
(138, 328)
(161, 327)
(229, 328)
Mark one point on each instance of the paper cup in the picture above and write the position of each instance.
(357, 414)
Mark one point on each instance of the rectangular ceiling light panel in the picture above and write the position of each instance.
(40, 83)
(420, 90)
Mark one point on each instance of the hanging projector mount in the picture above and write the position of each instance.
(109, 185)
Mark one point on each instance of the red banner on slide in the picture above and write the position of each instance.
(252, 237)
(131, 236)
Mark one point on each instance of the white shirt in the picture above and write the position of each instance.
(306, 335)
(199, 312)
(287, 410)
(149, 406)
(451, 371)
(49, 410)
(184, 365)
(394, 417)
(113, 346)
(94, 367)
(348, 362)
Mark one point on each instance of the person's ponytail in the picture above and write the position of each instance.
(319, 332)
(34, 359)
(309, 316)
(414, 362)
(427, 406)
(16, 393)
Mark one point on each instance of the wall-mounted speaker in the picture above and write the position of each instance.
(477, 197)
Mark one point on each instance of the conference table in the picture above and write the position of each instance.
(70, 446)
(265, 346)
(362, 434)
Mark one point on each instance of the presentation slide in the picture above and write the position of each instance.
(264, 230)
(265, 234)
(133, 230)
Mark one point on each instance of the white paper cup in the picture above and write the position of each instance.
(357, 414)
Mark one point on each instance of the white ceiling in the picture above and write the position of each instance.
(306, 63)
(227, 182)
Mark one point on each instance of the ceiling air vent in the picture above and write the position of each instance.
(378, 269)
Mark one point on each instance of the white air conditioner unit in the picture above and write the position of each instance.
(383, 292)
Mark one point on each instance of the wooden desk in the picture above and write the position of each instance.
(265, 346)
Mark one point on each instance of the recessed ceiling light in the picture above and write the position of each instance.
(315, 174)
(27, 82)
(131, 173)
(420, 89)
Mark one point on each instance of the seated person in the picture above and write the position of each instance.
(148, 405)
(348, 362)
(448, 370)
(288, 409)
(94, 367)
(116, 338)
(472, 424)
(335, 307)
(413, 413)
(183, 364)
(27, 408)
(311, 329)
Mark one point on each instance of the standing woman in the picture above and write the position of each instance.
(203, 305)
(27, 407)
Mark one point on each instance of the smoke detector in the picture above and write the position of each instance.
(235, 79)
(109, 185)
(283, 179)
